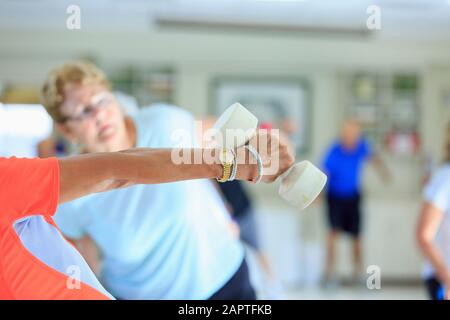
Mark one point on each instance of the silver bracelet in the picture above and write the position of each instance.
(234, 168)
(258, 160)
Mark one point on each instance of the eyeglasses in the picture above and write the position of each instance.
(99, 101)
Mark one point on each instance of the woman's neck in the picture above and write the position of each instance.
(131, 133)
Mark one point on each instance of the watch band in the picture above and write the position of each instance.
(226, 169)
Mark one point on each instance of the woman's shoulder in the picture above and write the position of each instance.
(159, 123)
(162, 110)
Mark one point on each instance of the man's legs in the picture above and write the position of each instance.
(334, 226)
(357, 257)
(344, 215)
(355, 231)
(332, 238)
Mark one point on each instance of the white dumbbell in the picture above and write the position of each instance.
(235, 127)
(300, 184)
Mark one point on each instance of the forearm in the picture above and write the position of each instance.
(434, 256)
(91, 173)
(428, 225)
(149, 166)
(381, 167)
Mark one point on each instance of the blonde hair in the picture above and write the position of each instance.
(77, 72)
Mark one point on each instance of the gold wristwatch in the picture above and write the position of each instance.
(226, 158)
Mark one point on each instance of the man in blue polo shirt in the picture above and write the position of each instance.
(343, 164)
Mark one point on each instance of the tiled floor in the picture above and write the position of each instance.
(352, 293)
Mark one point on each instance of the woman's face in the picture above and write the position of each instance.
(92, 118)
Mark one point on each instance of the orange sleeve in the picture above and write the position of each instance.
(28, 187)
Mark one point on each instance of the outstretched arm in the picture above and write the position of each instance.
(381, 167)
(98, 172)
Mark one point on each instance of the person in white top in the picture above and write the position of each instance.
(433, 229)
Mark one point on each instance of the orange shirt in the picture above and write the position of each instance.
(36, 262)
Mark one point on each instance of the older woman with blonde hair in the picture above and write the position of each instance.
(165, 241)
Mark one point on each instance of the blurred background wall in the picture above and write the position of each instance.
(187, 45)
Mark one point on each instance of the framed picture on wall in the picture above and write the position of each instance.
(278, 103)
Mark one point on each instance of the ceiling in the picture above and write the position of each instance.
(429, 19)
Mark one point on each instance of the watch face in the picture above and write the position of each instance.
(226, 156)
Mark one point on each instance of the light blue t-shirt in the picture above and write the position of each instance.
(165, 241)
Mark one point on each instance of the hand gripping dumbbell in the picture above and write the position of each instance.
(300, 184)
